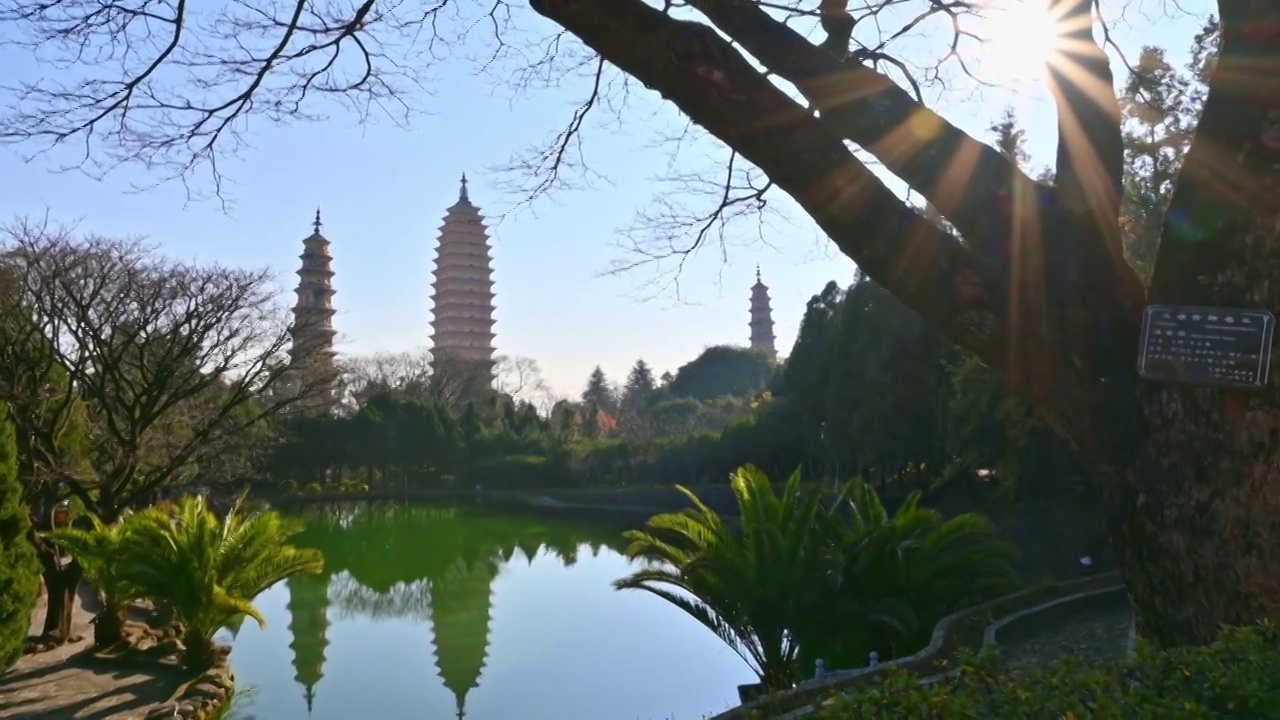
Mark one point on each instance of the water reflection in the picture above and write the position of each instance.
(309, 625)
(429, 564)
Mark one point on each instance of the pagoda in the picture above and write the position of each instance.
(762, 319)
(309, 625)
(462, 297)
(311, 353)
(461, 610)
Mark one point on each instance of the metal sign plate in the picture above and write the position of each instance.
(1222, 347)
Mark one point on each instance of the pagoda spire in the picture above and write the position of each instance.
(309, 624)
(462, 326)
(315, 226)
(761, 325)
(461, 609)
(311, 353)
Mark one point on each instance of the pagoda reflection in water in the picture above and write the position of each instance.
(417, 563)
(309, 625)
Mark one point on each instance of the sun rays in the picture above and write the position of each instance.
(1020, 39)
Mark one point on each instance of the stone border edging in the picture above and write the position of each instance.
(816, 688)
(200, 699)
(989, 635)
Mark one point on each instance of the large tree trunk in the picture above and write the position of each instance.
(1186, 474)
(60, 582)
(1195, 516)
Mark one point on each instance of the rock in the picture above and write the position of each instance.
(186, 709)
(205, 690)
(169, 646)
(164, 712)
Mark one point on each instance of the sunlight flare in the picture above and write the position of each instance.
(1021, 38)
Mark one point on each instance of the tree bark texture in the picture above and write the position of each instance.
(1038, 287)
(60, 584)
(1195, 519)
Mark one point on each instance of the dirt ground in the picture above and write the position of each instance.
(63, 684)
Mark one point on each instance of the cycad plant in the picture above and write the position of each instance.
(97, 548)
(890, 578)
(801, 578)
(209, 569)
(746, 584)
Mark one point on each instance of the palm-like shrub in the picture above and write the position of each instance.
(207, 569)
(748, 585)
(892, 577)
(97, 549)
(802, 578)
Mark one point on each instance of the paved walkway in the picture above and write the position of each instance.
(63, 685)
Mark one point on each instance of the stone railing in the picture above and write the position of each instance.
(1034, 620)
(952, 633)
(1020, 624)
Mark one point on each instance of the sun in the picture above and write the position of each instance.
(1021, 38)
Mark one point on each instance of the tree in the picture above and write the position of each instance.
(173, 360)
(408, 373)
(803, 579)
(52, 430)
(98, 550)
(720, 371)
(598, 391)
(521, 379)
(1010, 138)
(1041, 293)
(19, 570)
(639, 388)
(1161, 107)
(208, 569)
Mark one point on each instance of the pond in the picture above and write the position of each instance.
(435, 613)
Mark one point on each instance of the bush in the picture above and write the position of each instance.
(207, 568)
(19, 569)
(1236, 677)
(315, 488)
(289, 485)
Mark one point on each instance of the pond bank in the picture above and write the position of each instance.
(1050, 535)
(70, 682)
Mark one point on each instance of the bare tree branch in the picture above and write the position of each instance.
(170, 84)
(717, 88)
(173, 360)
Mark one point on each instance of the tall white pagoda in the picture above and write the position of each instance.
(762, 318)
(462, 326)
(311, 351)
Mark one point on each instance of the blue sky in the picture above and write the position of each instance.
(383, 190)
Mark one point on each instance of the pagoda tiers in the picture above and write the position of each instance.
(312, 333)
(762, 318)
(462, 328)
(309, 623)
(461, 612)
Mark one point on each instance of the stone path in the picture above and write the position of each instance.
(63, 685)
(1097, 636)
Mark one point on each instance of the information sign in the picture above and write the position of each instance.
(1223, 347)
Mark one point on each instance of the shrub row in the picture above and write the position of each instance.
(1238, 676)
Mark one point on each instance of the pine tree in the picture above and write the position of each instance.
(19, 570)
(598, 390)
(1161, 106)
(639, 387)
(1010, 138)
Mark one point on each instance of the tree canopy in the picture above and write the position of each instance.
(1029, 276)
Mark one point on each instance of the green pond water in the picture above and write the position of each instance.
(440, 613)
